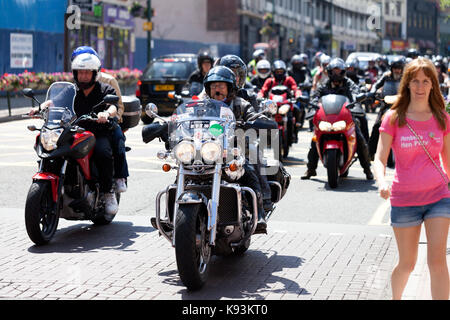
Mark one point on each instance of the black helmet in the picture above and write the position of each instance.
(204, 56)
(397, 62)
(412, 53)
(353, 63)
(237, 65)
(296, 58)
(336, 63)
(279, 65)
(221, 74)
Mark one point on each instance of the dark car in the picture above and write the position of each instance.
(162, 76)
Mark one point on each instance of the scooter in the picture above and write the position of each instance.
(335, 133)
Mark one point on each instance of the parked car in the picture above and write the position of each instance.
(363, 58)
(162, 76)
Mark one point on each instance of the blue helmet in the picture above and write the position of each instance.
(83, 49)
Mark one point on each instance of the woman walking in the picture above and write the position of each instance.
(418, 129)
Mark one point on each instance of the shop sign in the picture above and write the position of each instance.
(84, 5)
(21, 50)
(117, 16)
(398, 45)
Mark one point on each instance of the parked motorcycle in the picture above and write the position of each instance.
(334, 133)
(207, 211)
(64, 186)
(284, 116)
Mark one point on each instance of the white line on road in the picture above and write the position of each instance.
(378, 216)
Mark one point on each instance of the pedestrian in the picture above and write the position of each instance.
(418, 129)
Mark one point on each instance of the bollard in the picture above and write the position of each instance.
(9, 102)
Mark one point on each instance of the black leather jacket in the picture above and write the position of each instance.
(348, 88)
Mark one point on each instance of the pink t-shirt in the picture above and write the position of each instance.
(417, 181)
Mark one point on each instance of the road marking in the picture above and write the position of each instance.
(378, 216)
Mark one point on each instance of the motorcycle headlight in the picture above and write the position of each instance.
(284, 109)
(325, 126)
(339, 126)
(184, 152)
(49, 138)
(211, 152)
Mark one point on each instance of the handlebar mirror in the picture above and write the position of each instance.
(28, 92)
(151, 110)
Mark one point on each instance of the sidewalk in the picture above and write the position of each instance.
(128, 260)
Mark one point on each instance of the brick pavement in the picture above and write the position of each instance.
(128, 260)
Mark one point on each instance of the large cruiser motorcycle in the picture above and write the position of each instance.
(207, 212)
(65, 185)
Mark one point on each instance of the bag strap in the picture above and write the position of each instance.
(426, 151)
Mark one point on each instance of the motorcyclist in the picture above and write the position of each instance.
(204, 64)
(90, 92)
(372, 70)
(443, 78)
(245, 89)
(258, 55)
(412, 53)
(221, 84)
(263, 70)
(383, 64)
(299, 69)
(394, 75)
(353, 71)
(280, 77)
(321, 74)
(121, 172)
(338, 83)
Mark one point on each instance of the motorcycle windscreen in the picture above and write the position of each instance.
(332, 103)
(59, 104)
(200, 120)
(390, 88)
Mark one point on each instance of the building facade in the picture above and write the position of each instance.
(422, 25)
(31, 36)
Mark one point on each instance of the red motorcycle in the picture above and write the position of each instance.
(65, 185)
(334, 133)
(284, 117)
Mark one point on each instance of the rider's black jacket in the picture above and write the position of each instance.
(196, 76)
(348, 88)
(380, 83)
(300, 75)
(84, 104)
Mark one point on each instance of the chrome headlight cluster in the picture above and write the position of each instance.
(211, 152)
(337, 126)
(49, 138)
(184, 152)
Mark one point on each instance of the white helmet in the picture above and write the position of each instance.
(86, 61)
(261, 65)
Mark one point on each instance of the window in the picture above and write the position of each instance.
(399, 8)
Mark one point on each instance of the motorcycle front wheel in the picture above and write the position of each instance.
(41, 214)
(192, 248)
(332, 167)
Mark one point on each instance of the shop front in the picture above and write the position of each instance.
(108, 28)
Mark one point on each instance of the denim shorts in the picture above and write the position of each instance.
(415, 215)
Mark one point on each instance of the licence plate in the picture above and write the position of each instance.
(164, 87)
